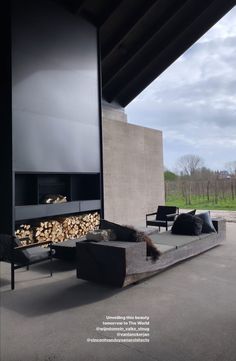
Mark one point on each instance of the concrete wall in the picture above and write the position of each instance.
(133, 170)
(112, 111)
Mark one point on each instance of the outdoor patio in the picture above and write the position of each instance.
(192, 310)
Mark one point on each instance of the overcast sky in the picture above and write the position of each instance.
(194, 101)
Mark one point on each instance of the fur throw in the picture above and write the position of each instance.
(152, 250)
(130, 234)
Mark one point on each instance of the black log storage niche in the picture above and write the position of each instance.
(55, 110)
(81, 192)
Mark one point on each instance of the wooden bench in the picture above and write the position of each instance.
(120, 263)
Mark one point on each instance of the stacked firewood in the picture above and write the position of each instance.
(25, 233)
(60, 229)
(49, 230)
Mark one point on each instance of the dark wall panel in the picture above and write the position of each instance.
(55, 90)
(6, 174)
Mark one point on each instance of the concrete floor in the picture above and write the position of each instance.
(192, 310)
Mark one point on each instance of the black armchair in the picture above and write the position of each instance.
(165, 216)
(12, 251)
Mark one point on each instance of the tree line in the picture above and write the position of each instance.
(192, 182)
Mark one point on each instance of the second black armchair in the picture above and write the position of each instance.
(164, 217)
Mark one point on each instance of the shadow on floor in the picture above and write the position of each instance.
(40, 269)
(58, 265)
(54, 295)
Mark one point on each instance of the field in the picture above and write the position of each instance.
(197, 202)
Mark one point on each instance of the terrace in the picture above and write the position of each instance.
(191, 308)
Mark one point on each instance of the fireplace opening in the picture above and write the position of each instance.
(32, 188)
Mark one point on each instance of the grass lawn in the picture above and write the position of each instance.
(199, 203)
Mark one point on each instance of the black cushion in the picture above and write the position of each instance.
(207, 226)
(122, 233)
(192, 212)
(20, 256)
(187, 224)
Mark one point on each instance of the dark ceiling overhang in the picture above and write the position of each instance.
(139, 39)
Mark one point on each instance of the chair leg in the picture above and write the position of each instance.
(27, 267)
(51, 263)
(12, 276)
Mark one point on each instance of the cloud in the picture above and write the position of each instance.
(194, 101)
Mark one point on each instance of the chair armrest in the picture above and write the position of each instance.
(32, 245)
(171, 215)
(151, 214)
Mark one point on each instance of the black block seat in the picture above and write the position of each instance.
(164, 217)
(66, 250)
(12, 251)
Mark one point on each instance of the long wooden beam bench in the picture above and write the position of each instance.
(120, 263)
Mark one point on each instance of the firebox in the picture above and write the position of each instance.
(81, 191)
